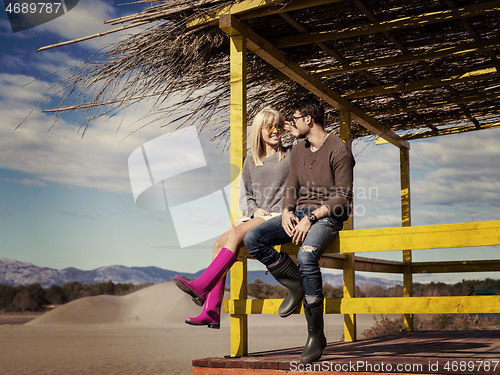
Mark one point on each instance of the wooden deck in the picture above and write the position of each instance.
(431, 352)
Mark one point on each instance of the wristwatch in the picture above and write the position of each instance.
(312, 218)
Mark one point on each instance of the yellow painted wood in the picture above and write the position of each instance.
(484, 233)
(404, 167)
(349, 289)
(379, 305)
(447, 131)
(390, 25)
(238, 117)
(239, 321)
(421, 305)
(441, 236)
(349, 267)
(284, 7)
(273, 56)
(238, 99)
(236, 8)
(271, 306)
(423, 84)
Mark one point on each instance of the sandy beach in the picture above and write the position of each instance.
(141, 333)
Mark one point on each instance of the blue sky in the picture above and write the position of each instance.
(66, 201)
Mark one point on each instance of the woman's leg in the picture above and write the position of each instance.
(223, 261)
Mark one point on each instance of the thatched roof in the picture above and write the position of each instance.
(410, 65)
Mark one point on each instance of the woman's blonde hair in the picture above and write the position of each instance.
(256, 143)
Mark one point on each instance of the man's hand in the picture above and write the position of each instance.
(301, 230)
(261, 212)
(288, 222)
(290, 127)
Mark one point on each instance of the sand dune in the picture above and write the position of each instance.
(157, 305)
(138, 334)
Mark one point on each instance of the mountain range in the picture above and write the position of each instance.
(13, 272)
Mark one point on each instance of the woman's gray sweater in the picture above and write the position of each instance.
(264, 186)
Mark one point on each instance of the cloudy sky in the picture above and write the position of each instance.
(67, 201)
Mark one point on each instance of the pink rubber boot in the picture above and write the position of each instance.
(199, 288)
(210, 315)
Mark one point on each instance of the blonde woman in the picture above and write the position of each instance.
(264, 177)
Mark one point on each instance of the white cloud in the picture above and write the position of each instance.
(461, 172)
(24, 181)
(379, 221)
(97, 160)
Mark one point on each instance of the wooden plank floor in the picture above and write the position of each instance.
(426, 352)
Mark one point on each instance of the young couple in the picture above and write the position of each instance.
(312, 188)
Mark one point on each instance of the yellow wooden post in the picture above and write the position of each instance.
(238, 115)
(404, 160)
(348, 270)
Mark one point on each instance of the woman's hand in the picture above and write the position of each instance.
(261, 212)
(288, 222)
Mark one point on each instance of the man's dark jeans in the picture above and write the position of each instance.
(260, 241)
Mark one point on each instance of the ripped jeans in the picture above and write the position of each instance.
(260, 241)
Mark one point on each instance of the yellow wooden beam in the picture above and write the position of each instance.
(404, 169)
(236, 8)
(423, 84)
(456, 266)
(441, 236)
(490, 95)
(249, 9)
(422, 305)
(273, 56)
(284, 7)
(379, 305)
(446, 131)
(238, 132)
(484, 233)
(349, 267)
(387, 26)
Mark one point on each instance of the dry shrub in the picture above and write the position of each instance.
(384, 326)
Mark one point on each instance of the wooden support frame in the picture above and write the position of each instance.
(404, 168)
(378, 305)
(348, 242)
(249, 9)
(386, 26)
(238, 129)
(349, 267)
(273, 56)
(441, 236)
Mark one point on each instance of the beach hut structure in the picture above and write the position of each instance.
(392, 70)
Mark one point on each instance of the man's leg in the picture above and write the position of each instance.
(259, 243)
(308, 260)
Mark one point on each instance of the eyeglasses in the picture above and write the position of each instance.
(295, 118)
(277, 127)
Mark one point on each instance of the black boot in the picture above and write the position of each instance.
(287, 273)
(316, 340)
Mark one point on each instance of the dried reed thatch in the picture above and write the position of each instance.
(423, 86)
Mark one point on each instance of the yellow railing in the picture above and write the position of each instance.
(387, 239)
